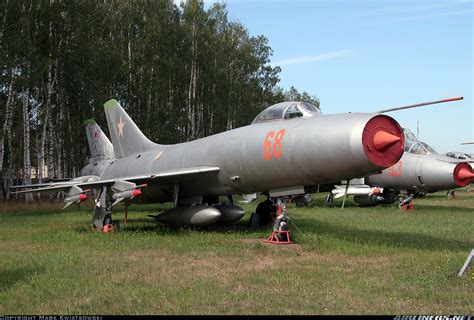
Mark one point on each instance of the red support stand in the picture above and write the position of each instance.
(280, 233)
(274, 237)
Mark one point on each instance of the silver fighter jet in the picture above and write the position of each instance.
(421, 170)
(288, 147)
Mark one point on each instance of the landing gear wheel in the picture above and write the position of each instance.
(264, 215)
(451, 194)
(330, 200)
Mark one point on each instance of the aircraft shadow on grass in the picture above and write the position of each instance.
(19, 215)
(443, 208)
(9, 277)
(392, 239)
(385, 238)
(442, 196)
(142, 225)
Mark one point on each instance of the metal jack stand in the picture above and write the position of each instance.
(466, 264)
(408, 207)
(280, 233)
(102, 217)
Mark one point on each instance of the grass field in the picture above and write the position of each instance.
(354, 261)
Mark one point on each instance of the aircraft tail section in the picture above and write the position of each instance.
(127, 139)
(100, 146)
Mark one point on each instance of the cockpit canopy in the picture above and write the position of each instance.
(459, 155)
(287, 110)
(415, 146)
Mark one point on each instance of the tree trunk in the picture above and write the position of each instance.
(26, 145)
(7, 132)
(192, 85)
(42, 148)
(51, 148)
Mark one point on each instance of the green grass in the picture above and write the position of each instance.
(358, 260)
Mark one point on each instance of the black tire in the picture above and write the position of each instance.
(107, 219)
(255, 220)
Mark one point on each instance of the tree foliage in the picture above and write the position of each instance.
(181, 72)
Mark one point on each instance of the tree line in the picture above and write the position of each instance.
(181, 72)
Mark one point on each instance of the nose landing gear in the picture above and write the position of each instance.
(280, 231)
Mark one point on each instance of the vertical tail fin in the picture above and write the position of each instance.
(127, 139)
(100, 146)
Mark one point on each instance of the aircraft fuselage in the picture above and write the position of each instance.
(427, 173)
(272, 155)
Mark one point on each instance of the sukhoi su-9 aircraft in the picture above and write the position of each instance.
(420, 170)
(288, 148)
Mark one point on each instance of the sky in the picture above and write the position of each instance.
(363, 56)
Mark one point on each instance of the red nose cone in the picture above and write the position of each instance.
(463, 174)
(82, 197)
(383, 140)
(136, 193)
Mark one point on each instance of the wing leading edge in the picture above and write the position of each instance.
(181, 175)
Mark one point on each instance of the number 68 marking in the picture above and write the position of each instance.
(277, 147)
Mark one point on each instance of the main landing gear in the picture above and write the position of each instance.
(272, 211)
(280, 231)
(102, 217)
(405, 203)
(451, 194)
(264, 214)
(330, 200)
